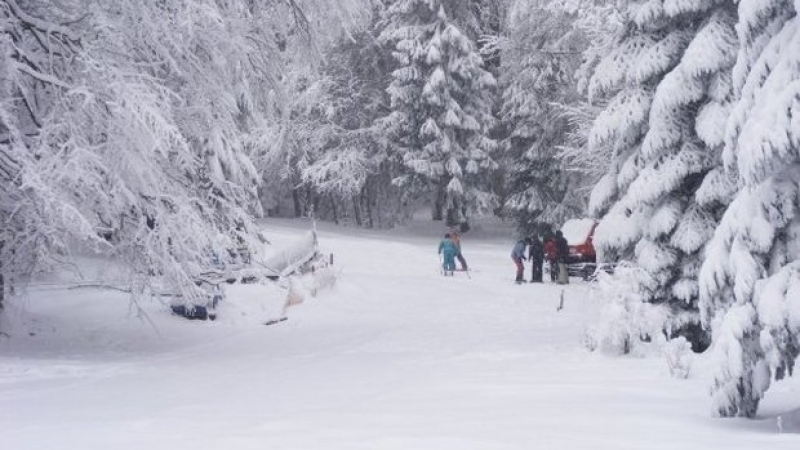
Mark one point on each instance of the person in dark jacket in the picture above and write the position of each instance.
(536, 256)
(550, 254)
(562, 251)
(518, 255)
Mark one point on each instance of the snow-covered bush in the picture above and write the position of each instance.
(301, 286)
(679, 356)
(626, 323)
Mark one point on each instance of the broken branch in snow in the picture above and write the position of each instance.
(40, 24)
(118, 289)
(43, 77)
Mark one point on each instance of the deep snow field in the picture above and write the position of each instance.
(394, 356)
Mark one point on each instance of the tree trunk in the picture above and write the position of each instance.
(371, 200)
(334, 210)
(370, 212)
(2, 280)
(313, 200)
(439, 201)
(357, 210)
(298, 209)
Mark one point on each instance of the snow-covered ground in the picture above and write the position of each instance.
(393, 357)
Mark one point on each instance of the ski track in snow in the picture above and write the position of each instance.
(394, 357)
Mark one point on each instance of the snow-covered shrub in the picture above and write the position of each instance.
(323, 278)
(308, 285)
(678, 355)
(627, 323)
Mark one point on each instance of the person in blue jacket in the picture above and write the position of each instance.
(448, 250)
(518, 255)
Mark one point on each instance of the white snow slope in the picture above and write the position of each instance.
(395, 356)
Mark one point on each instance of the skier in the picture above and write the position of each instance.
(518, 255)
(456, 238)
(536, 256)
(447, 248)
(550, 254)
(562, 251)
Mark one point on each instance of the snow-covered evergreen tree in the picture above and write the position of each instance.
(441, 105)
(750, 281)
(352, 170)
(540, 55)
(601, 23)
(667, 84)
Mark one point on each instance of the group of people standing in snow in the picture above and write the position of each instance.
(554, 249)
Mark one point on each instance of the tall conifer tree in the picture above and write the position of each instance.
(667, 85)
(750, 280)
(540, 57)
(441, 105)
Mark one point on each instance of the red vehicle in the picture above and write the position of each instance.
(582, 259)
(579, 234)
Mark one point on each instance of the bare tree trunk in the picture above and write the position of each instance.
(377, 195)
(298, 209)
(357, 210)
(2, 280)
(439, 201)
(370, 200)
(334, 210)
(313, 200)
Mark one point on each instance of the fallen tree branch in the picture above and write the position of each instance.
(118, 289)
(43, 77)
(41, 24)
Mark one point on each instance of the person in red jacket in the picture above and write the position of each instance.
(455, 236)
